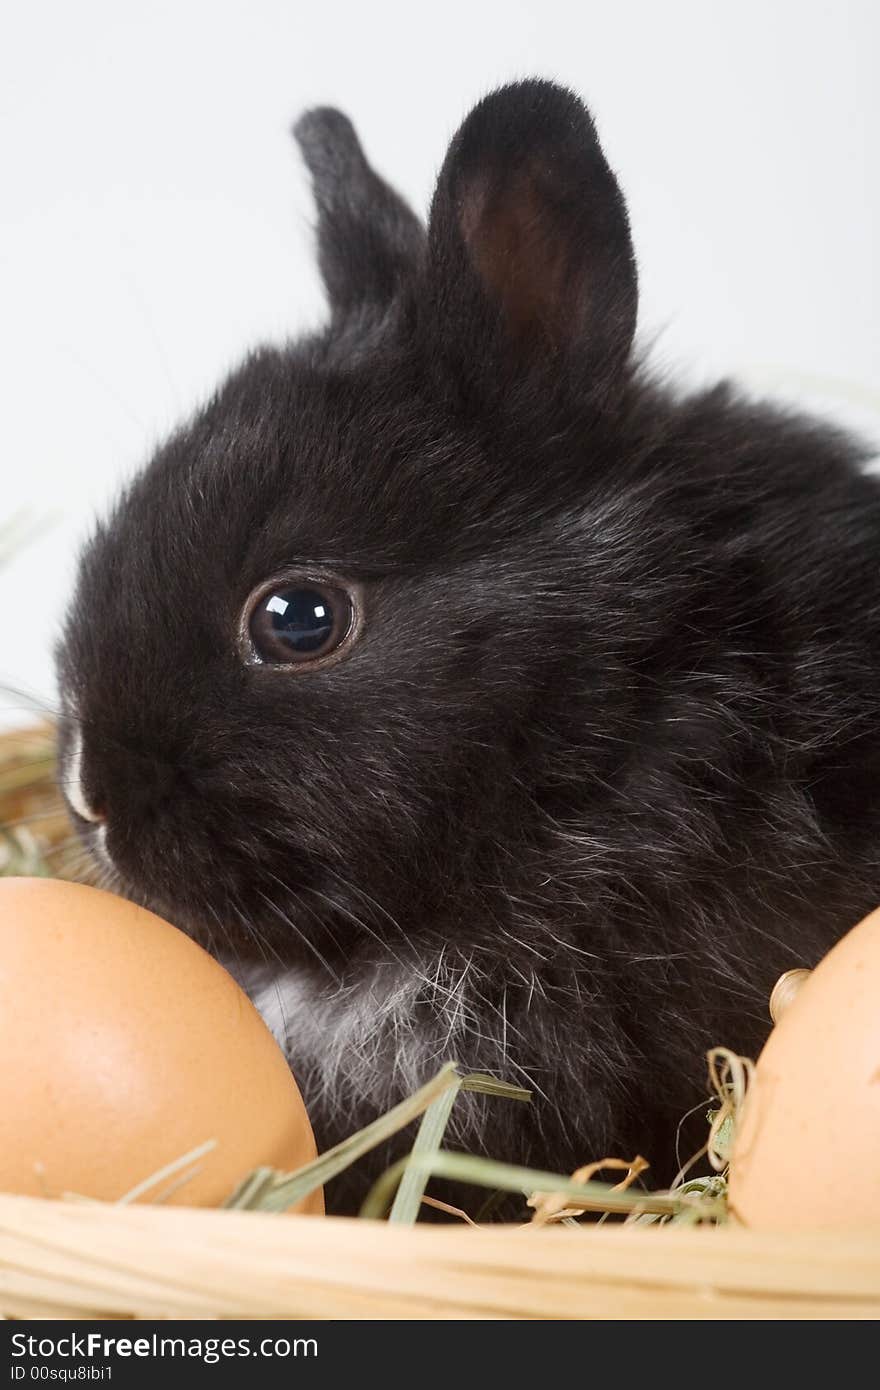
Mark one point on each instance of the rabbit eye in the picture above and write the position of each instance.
(297, 622)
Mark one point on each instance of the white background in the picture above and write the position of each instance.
(156, 220)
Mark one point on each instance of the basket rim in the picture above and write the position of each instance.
(76, 1259)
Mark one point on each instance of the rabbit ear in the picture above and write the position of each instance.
(530, 256)
(368, 239)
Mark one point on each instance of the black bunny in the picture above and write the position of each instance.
(473, 695)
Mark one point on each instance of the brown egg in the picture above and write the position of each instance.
(807, 1148)
(125, 1046)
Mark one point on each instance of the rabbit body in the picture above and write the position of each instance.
(600, 759)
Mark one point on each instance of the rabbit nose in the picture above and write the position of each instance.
(107, 782)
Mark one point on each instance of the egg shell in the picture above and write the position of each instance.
(807, 1149)
(124, 1046)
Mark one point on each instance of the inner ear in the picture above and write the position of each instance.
(541, 227)
(537, 276)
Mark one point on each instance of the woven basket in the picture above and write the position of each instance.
(76, 1260)
(36, 836)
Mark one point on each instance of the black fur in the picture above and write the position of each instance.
(606, 757)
